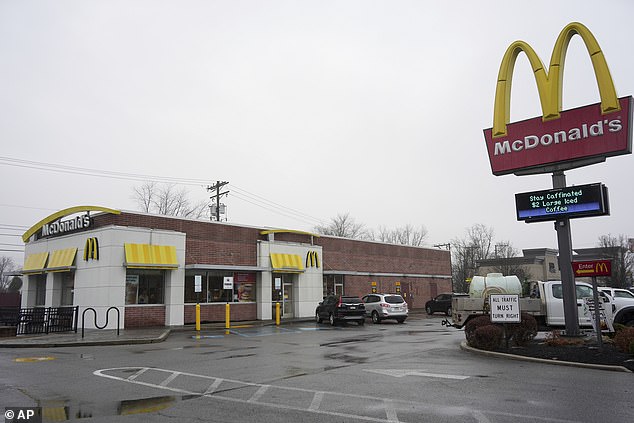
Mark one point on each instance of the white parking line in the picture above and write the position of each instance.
(316, 402)
(169, 379)
(353, 405)
(411, 372)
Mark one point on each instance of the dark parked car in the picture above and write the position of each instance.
(441, 303)
(336, 308)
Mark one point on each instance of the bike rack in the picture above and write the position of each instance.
(95, 314)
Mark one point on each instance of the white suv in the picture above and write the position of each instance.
(385, 306)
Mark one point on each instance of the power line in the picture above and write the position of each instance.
(245, 195)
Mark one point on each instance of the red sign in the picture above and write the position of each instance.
(592, 268)
(581, 133)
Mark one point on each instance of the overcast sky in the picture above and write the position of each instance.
(307, 108)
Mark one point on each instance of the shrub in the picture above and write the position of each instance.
(488, 337)
(624, 340)
(524, 332)
(472, 325)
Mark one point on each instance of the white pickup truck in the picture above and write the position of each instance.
(545, 303)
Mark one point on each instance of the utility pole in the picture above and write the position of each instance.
(216, 187)
(448, 246)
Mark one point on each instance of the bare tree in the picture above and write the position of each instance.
(7, 265)
(404, 235)
(168, 200)
(505, 251)
(466, 251)
(344, 226)
(618, 248)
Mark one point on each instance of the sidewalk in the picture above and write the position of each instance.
(131, 336)
(110, 337)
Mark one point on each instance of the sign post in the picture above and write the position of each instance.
(594, 268)
(505, 308)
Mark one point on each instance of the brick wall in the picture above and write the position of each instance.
(363, 256)
(206, 242)
(417, 291)
(216, 312)
(144, 316)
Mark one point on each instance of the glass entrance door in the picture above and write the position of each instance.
(288, 299)
(283, 294)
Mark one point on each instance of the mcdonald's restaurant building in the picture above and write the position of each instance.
(155, 269)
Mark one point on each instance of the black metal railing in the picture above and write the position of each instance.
(32, 320)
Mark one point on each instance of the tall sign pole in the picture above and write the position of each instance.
(564, 242)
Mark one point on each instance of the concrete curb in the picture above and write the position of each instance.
(465, 347)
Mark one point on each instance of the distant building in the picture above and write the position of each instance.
(537, 264)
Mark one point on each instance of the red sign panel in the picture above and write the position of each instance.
(592, 268)
(581, 133)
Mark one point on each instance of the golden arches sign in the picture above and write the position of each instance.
(312, 259)
(602, 268)
(91, 249)
(62, 213)
(549, 84)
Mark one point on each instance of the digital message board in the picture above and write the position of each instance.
(570, 202)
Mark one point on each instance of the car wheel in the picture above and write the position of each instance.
(361, 322)
(331, 319)
(428, 310)
(400, 320)
(317, 318)
(375, 318)
(448, 311)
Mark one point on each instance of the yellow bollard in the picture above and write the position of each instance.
(198, 317)
(227, 316)
(277, 313)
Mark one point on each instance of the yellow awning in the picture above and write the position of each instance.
(146, 256)
(35, 263)
(287, 263)
(61, 260)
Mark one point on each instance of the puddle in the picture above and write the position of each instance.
(64, 410)
(347, 358)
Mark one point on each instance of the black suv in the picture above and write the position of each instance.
(441, 303)
(335, 308)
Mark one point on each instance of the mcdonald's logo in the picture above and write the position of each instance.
(312, 259)
(602, 268)
(91, 249)
(589, 132)
(592, 268)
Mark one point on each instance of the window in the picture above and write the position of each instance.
(333, 284)
(144, 286)
(212, 290)
(623, 294)
(68, 288)
(40, 289)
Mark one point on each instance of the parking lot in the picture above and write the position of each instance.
(389, 372)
